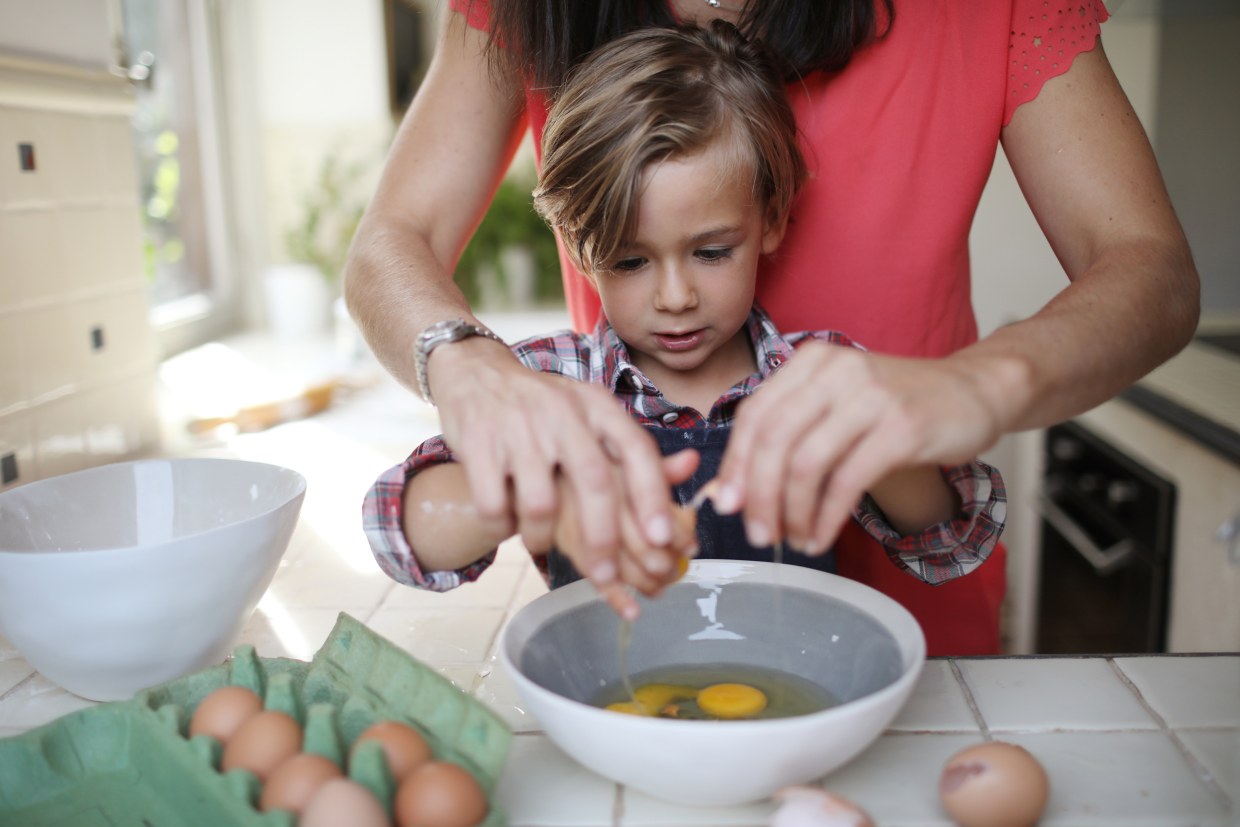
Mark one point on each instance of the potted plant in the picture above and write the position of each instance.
(300, 293)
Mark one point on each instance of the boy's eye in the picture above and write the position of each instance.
(628, 264)
(714, 253)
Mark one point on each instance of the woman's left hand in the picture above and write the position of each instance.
(834, 421)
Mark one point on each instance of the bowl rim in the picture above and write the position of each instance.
(51, 554)
(912, 656)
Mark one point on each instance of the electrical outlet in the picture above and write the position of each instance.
(96, 338)
(26, 153)
(8, 468)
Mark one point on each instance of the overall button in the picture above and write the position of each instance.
(671, 416)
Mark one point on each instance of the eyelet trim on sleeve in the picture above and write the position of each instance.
(1047, 35)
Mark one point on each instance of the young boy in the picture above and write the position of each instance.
(670, 166)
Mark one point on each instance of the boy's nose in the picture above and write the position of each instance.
(676, 291)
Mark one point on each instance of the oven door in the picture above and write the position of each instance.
(1105, 549)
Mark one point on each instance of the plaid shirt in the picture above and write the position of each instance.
(938, 554)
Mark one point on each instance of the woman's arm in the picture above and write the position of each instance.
(847, 419)
(515, 432)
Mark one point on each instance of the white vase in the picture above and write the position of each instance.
(299, 301)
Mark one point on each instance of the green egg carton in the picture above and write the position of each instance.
(131, 764)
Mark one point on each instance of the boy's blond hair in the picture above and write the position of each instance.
(654, 94)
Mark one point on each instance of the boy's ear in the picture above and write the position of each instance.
(773, 231)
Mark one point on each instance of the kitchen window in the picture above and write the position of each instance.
(170, 49)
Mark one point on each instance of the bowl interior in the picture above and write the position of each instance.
(143, 503)
(826, 639)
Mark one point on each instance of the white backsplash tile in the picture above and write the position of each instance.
(33, 257)
(59, 434)
(53, 349)
(1073, 693)
(1219, 753)
(12, 374)
(1204, 692)
(16, 438)
(23, 126)
(937, 704)
(1125, 779)
(551, 789)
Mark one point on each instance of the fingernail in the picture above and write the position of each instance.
(629, 612)
(691, 553)
(758, 533)
(658, 563)
(659, 530)
(727, 499)
(812, 548)
(603, 572)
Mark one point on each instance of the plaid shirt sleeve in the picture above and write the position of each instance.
(953, 548)
(383, 522)
(950, 549)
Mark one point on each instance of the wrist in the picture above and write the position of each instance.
(439, 336)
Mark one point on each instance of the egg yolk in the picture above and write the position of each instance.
(629, 708)
(682, 566)
(731, 700)
(655, 696)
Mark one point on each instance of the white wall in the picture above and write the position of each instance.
(321, 77)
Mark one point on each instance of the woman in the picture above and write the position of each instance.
(900, 129)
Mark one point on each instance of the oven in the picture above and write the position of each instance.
(1106, 542)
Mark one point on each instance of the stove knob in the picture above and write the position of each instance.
(1121, 491)
(1066, 449)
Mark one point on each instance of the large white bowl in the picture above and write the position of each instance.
(124, 576)
(862, 647)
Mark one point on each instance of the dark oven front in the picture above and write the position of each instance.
(1106, 544)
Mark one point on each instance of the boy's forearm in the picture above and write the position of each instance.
(440, 521)
(913, 499)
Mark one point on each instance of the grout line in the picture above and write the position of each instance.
(617, 807)
(1194, 764)
(19, 684)
(968, 699)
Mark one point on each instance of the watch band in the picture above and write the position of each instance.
(442, 333)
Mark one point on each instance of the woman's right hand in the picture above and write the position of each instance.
(537, 447)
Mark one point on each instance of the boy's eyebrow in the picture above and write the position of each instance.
(712, 232)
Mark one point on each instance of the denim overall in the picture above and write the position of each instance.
(719, 537)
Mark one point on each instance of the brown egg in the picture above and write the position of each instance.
(439, 794)
(403, 747)
(994, 785)
(262, 743)
(223, 711)
(293, 783)
(343, 803)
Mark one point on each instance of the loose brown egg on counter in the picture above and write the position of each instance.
(342, 802)
(994, 785)
(295, 781)
(403, 747)
(439, 794)
(262, 743)
(223, 711)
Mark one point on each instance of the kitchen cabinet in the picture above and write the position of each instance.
(1204, 614)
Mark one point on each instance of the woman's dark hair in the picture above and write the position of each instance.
(543, 39)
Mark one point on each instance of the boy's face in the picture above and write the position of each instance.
(679, 294)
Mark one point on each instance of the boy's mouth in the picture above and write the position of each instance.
(680, 341)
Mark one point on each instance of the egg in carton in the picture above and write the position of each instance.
(134, 763)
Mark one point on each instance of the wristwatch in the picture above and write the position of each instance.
(441, 333)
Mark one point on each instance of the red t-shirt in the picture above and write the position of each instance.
(899, 146)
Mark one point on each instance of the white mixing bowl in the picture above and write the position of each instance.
(862, 647)
(124, 576)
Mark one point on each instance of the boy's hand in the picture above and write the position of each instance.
(639, 565)
(835, 421)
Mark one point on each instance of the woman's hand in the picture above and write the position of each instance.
(640, 566)
(835, 421)
(534, 444)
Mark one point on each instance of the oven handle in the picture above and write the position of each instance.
(1103, 560)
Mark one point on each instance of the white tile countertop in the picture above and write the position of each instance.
(1144, 740)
